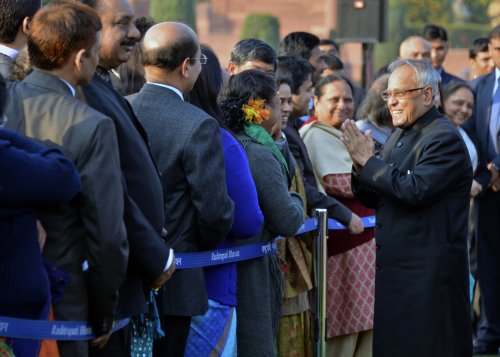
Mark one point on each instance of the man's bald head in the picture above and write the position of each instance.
(167, 45)
(415, 47)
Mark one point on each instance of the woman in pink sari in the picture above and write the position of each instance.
(351, 259)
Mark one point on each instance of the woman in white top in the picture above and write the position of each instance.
(458, 100)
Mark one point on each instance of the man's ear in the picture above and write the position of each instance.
(78, 61)
(231, 68)
(428, 95)
(185, 68)
(316, 100)
(26, 25)
(446, 48)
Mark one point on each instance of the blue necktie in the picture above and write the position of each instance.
(493, 144)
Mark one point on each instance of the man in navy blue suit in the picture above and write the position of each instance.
(485, 124)
(438, 38)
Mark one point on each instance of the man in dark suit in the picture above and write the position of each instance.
(299, 72)
(251, 53)
(307, 46)
(412, 47)
(151, 260)
(15, 16)
(86, 237)
(438, 38)
(420, 189)
(480, 58)
(485, 125)
(186, 146)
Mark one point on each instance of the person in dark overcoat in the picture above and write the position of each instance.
(420, 188)
(485, 126)
(86, 237)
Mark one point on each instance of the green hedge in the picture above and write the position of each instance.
(263, 27)
(174, 10)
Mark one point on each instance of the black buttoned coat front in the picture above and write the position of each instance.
(420, 189)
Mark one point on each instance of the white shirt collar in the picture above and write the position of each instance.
(497, 75)
(116, 73)
(177, 91)
(73, 90)
(9, 51)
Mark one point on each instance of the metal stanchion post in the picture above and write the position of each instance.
(320, 273)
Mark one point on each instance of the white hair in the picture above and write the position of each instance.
(425, 74)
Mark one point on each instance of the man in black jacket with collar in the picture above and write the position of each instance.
(420, 188)
(151, 260)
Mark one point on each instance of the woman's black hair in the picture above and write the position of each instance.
(283, 78)
(452, 87)
(330, 79)
(208, 86)
(241, 88)
(373, 107)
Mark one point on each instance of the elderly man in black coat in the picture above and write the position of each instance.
(420, 188)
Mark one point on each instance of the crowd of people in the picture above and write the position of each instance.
(124, 143)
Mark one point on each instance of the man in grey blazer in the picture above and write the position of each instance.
(186, 145)
(86, 237)
(15, 16)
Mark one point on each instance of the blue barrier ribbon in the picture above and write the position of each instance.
(50, 330)
(224, 256)
(368, 222)
(250, 251)
(312, 225)
(81, 331)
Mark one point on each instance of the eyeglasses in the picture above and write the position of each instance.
(203, 58)
(398, 93)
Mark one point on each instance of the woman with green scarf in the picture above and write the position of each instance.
(251, 108)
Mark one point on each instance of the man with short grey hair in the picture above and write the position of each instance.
(415, 47)
(420, 188)
(412, 47)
